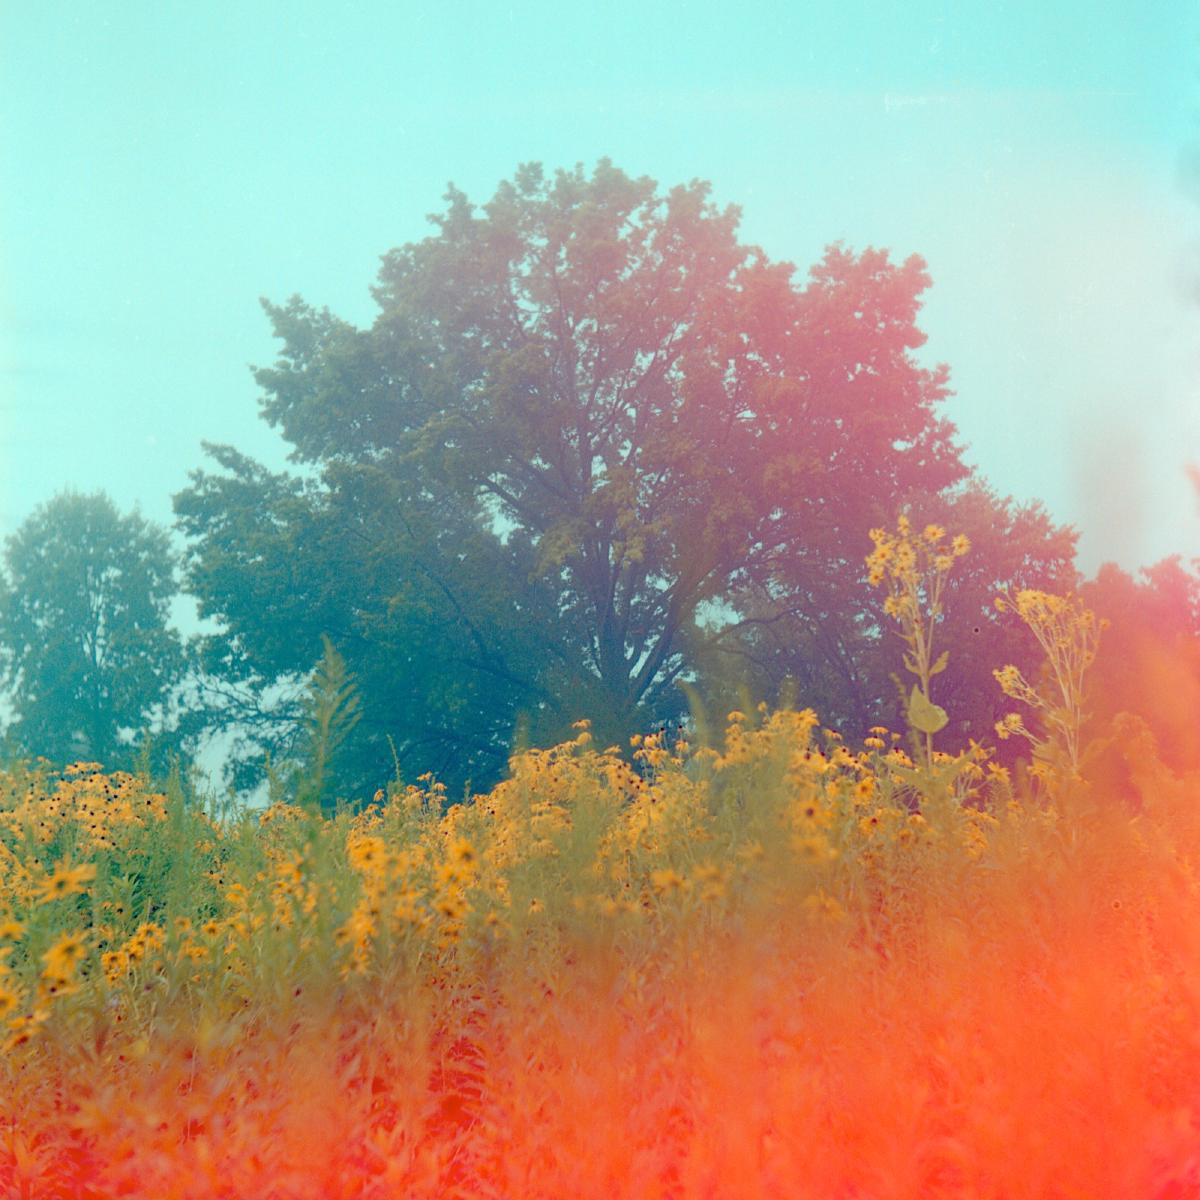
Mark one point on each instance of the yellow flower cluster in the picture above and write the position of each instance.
(906, 558)
(1069, 635)
(915, 569)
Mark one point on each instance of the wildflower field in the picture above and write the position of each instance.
(767, 964)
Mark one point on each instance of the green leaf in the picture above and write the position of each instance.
(939, 666)
(332, 710)
(925, 715)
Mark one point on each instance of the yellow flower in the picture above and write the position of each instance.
(54, 984)
(82, 768)
(25, 1027)
(114, 964)
(666, 881)
(153, 934)
(65, 954)
(10, 929)
(1009, 679)
(367, 854)
(814, 849)
(1008, 725)
(934, 533)
(9, 1000)
(463, 853)
(290, 871)
(960, 545)
(451, 906)
(449, 875)
(67, 881)
(810, 816)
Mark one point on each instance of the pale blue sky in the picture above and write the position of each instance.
(163, 165)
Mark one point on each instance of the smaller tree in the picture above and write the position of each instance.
(86, 656)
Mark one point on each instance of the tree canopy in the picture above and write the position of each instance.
(87, 657)
(1149, 660)
(586, 418)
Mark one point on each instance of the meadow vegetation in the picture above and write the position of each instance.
(767, 964)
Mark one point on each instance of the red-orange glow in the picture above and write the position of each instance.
(1041, 1043)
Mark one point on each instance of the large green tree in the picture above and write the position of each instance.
(87, 657)
(585, 416)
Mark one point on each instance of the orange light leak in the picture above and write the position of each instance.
(1028, 1032)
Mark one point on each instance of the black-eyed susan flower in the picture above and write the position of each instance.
(463, 854)
(367, 854)
(667, 881)
(814, 849)
(53, 985)
(66, 881)
(451, 906)
(25, 1027)
(114, 964)
(66, 954)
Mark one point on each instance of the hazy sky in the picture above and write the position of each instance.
(164, 165)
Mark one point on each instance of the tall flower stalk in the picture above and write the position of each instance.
(1069, 635)
(915, 569)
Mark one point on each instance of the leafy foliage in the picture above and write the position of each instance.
(585, 416)
(331, 711)
(433, 616)
(86, 654)
(1150, 661)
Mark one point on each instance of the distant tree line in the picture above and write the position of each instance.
(594, 456)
